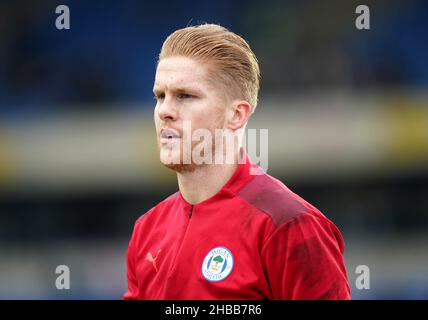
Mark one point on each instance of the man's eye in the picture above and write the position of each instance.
(184, 96)
(159, 97)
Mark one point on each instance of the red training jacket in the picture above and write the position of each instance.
(254, 239)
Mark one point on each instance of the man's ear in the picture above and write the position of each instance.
(240, 114)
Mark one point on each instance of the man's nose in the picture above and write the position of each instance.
(167, 110)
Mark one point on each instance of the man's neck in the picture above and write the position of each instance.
(204, 182)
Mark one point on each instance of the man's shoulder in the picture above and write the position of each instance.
(166, 203)
(273, 198)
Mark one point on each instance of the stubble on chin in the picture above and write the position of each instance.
(177, 166)
(181, 168)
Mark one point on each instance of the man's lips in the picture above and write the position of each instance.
(168, 136)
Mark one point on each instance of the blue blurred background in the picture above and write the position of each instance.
(346, 109)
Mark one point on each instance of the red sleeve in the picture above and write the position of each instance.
(303, 260)
(132, 291)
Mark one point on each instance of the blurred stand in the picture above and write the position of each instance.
(346, 110)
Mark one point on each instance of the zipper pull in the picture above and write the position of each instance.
(190, 212)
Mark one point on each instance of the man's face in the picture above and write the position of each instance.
(185, 96)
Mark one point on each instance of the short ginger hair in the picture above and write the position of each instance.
(234, 63)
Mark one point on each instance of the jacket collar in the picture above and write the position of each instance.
(244, 173)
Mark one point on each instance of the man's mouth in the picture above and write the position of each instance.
(168, 136)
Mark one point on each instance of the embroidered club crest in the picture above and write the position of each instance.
(217, 264)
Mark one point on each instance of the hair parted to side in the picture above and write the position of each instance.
(233, 61)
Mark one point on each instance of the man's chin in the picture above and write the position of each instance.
(173, 160)
(180, 168)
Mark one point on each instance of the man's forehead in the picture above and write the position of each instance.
(180, 72)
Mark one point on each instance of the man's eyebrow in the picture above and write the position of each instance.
(181, 89)
(178, 89)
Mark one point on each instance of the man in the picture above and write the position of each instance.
(232, 231)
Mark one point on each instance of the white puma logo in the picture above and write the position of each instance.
(150, 258)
